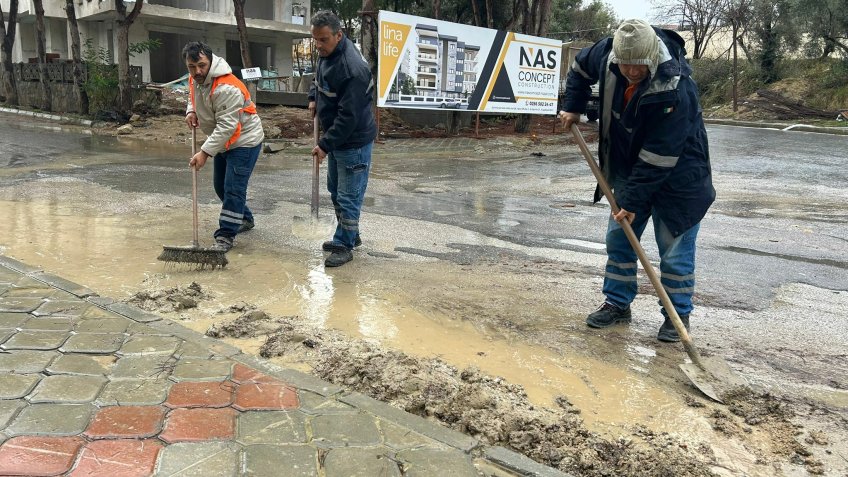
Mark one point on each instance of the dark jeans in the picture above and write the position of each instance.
(347, 179)
(231, 173)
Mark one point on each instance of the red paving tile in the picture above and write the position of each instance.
(38, 456)
(260, 396)
(202, 394)
(119, 458)
(194, 425)
(244, 374)
(126, 422)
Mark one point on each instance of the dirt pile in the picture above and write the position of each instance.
(251, 324)
(169, 300)
(483, 406)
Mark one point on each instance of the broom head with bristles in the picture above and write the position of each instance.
(195, 256)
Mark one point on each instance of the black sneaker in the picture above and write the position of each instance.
(668, 333)
(330, 246)
(222, 244)
(608, 315)
(246, 225)
(338, 258)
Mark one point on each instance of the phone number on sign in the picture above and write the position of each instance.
(540, 103)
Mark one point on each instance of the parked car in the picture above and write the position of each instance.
(449, 103)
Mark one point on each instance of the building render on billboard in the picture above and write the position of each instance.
(443, 65)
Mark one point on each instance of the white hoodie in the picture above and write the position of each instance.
(220, 113)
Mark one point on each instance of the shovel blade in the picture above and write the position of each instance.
(715, 379)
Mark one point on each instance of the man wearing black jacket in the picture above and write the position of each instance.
(654, 153)
(342, 95)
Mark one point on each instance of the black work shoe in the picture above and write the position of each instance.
(338, 258)
(330, 246)
(222, 244)
(608, 315)
(668, 333)
(246, 225)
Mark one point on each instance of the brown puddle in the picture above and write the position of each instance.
(116, 256)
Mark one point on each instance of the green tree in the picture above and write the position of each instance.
(771, 33)
(571, 21)
(826, 23)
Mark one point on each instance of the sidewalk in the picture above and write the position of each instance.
(94, 387)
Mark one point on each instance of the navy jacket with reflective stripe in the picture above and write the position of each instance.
(658, 141)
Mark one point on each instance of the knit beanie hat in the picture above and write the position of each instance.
(635, 43)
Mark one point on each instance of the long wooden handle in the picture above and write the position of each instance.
(640, 252)
(195, 240)
(315, 168)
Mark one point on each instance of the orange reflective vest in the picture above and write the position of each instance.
(230, 79)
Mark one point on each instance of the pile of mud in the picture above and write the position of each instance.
(486, 407)
(169, 300)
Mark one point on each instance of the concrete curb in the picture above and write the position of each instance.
(781, 126)
(52, 117)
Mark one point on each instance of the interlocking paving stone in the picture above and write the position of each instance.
(51, 420)
(140, 345)
(245, 374)
(135, 392)
(508, 459)
(14, 386)
(144, 329)
(272, 427)
(68, 389)
(16, 266)
(264, 396)
(27, 290)
(207, 459)
(201, 394)
(19, 305)
(8, 409)
(361, 462)
(121, 458)
(146, 367)
(82, 364)
(190, 350)
(346, 430)
(13, 320)
(398, 437)
(202, 370)
(36, 340)
(26, 361)
(29, 455)
(200, 424)
(6, 334)
(430, 462)
(103, 325)
(268, 460)
(7, 275)
(49, 324)
(62, 308)
(97, 313)
(93, 343)
(126, 422)
(312, 403)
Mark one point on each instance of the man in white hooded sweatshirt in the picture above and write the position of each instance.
(221, 107)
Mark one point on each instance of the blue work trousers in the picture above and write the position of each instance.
(677, 263)
(347, 179)
(231, 173)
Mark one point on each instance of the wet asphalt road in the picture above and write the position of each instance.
(779, 216)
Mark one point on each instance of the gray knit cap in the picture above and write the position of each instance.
(635, 43)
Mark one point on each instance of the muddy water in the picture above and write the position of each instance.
(114, 253)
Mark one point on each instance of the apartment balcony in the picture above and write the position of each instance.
(428, 58)
(428, 71)
(427, 46)
(426, 85)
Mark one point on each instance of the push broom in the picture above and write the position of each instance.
(194, 255)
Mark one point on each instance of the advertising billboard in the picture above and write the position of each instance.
(425, 63)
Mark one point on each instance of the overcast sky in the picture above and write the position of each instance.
(625, 9)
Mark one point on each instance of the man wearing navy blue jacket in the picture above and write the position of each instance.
(653, 151)
(342, 94)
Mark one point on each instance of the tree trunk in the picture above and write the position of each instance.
(437, 9)
(369, 37)
(8, 39)
(242, 31)
(490, 14)
(125, 21)
(76, 51)
(476, 10)
(46, 100)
